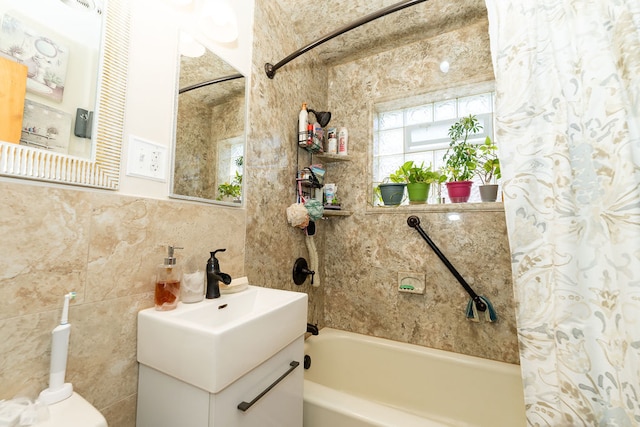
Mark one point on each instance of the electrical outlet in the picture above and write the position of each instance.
(410, 282)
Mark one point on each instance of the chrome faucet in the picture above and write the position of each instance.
(214, 275)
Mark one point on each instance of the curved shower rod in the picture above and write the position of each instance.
(210, 82)
(271, 69)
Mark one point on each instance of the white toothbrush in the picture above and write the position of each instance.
(59, 390)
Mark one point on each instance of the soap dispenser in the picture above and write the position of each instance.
(167, 280)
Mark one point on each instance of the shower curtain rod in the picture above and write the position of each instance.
(210, 82)
(271, 69)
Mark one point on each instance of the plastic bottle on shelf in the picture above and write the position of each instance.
(303, 123)
(343, 140)
(332, 141)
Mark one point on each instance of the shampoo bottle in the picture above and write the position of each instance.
(167, 280)
(303, 126)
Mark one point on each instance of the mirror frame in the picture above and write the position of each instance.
(103, 170)
(172, 193)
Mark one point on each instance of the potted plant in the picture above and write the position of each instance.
(418, 179)
(391, 190)
(231, 191)
(461, 158)
(488, 170)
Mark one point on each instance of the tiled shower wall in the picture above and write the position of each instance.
(361, 255)
(365, 252)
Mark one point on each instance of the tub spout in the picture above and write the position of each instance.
(313, 329)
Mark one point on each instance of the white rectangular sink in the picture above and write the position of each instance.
(212, 343)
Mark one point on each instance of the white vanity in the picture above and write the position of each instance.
(231, 361)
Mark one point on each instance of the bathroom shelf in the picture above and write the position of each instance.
(336, 212)
(332, 157)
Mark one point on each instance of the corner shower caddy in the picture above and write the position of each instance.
(326, 158)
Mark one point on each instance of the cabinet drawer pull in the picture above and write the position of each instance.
(243, 406)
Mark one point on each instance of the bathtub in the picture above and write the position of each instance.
(356, 381)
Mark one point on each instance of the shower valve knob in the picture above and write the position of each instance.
(301, 271)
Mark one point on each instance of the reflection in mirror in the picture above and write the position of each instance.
(210, 131)
(62, 89)
(60, 57)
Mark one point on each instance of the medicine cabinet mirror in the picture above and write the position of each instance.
(209, 144)
(64, 70)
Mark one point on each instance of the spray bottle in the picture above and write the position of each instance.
(59, 390)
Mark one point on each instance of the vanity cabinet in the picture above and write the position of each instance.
(275, 387)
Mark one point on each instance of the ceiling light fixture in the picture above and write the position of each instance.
(189, 46)
(218, 21)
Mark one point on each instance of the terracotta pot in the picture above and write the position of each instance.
(459, 191)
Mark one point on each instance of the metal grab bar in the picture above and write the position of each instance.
(414, 222)
(243, 406)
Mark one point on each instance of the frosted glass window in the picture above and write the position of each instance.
(421, 133)
(230, 151)
(389, 120)
(386, 165)
(421, 114)
(428, 137)
(477, 104)
(445, 110)
(390, 142)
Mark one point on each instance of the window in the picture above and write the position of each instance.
(230, 161)
(420, 133)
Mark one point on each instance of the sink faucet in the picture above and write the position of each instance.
(214, 275)
(313, 329)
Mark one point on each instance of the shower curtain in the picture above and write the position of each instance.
(567, 127)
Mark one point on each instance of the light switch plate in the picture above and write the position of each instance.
(411, 282)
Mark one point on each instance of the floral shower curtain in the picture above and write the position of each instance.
(568, 131)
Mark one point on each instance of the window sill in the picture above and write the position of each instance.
(443, 207)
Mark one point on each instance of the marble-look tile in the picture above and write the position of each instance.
(44, 252)
(130, 236)
(272, 244)
(25, 345)
(122, 413)
(102, 361)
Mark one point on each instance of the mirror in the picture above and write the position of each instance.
(64, 69)
(209, 131)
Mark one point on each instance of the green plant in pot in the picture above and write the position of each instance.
(461, 158)
(391, 190)
(488, 170)
(231, 191)
(418, 179)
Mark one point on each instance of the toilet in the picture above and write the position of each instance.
(73, 411)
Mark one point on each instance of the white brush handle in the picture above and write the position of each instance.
(59, 350)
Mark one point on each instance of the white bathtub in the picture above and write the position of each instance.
(356, 380)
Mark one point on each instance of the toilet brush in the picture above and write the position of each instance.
(59, 390)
